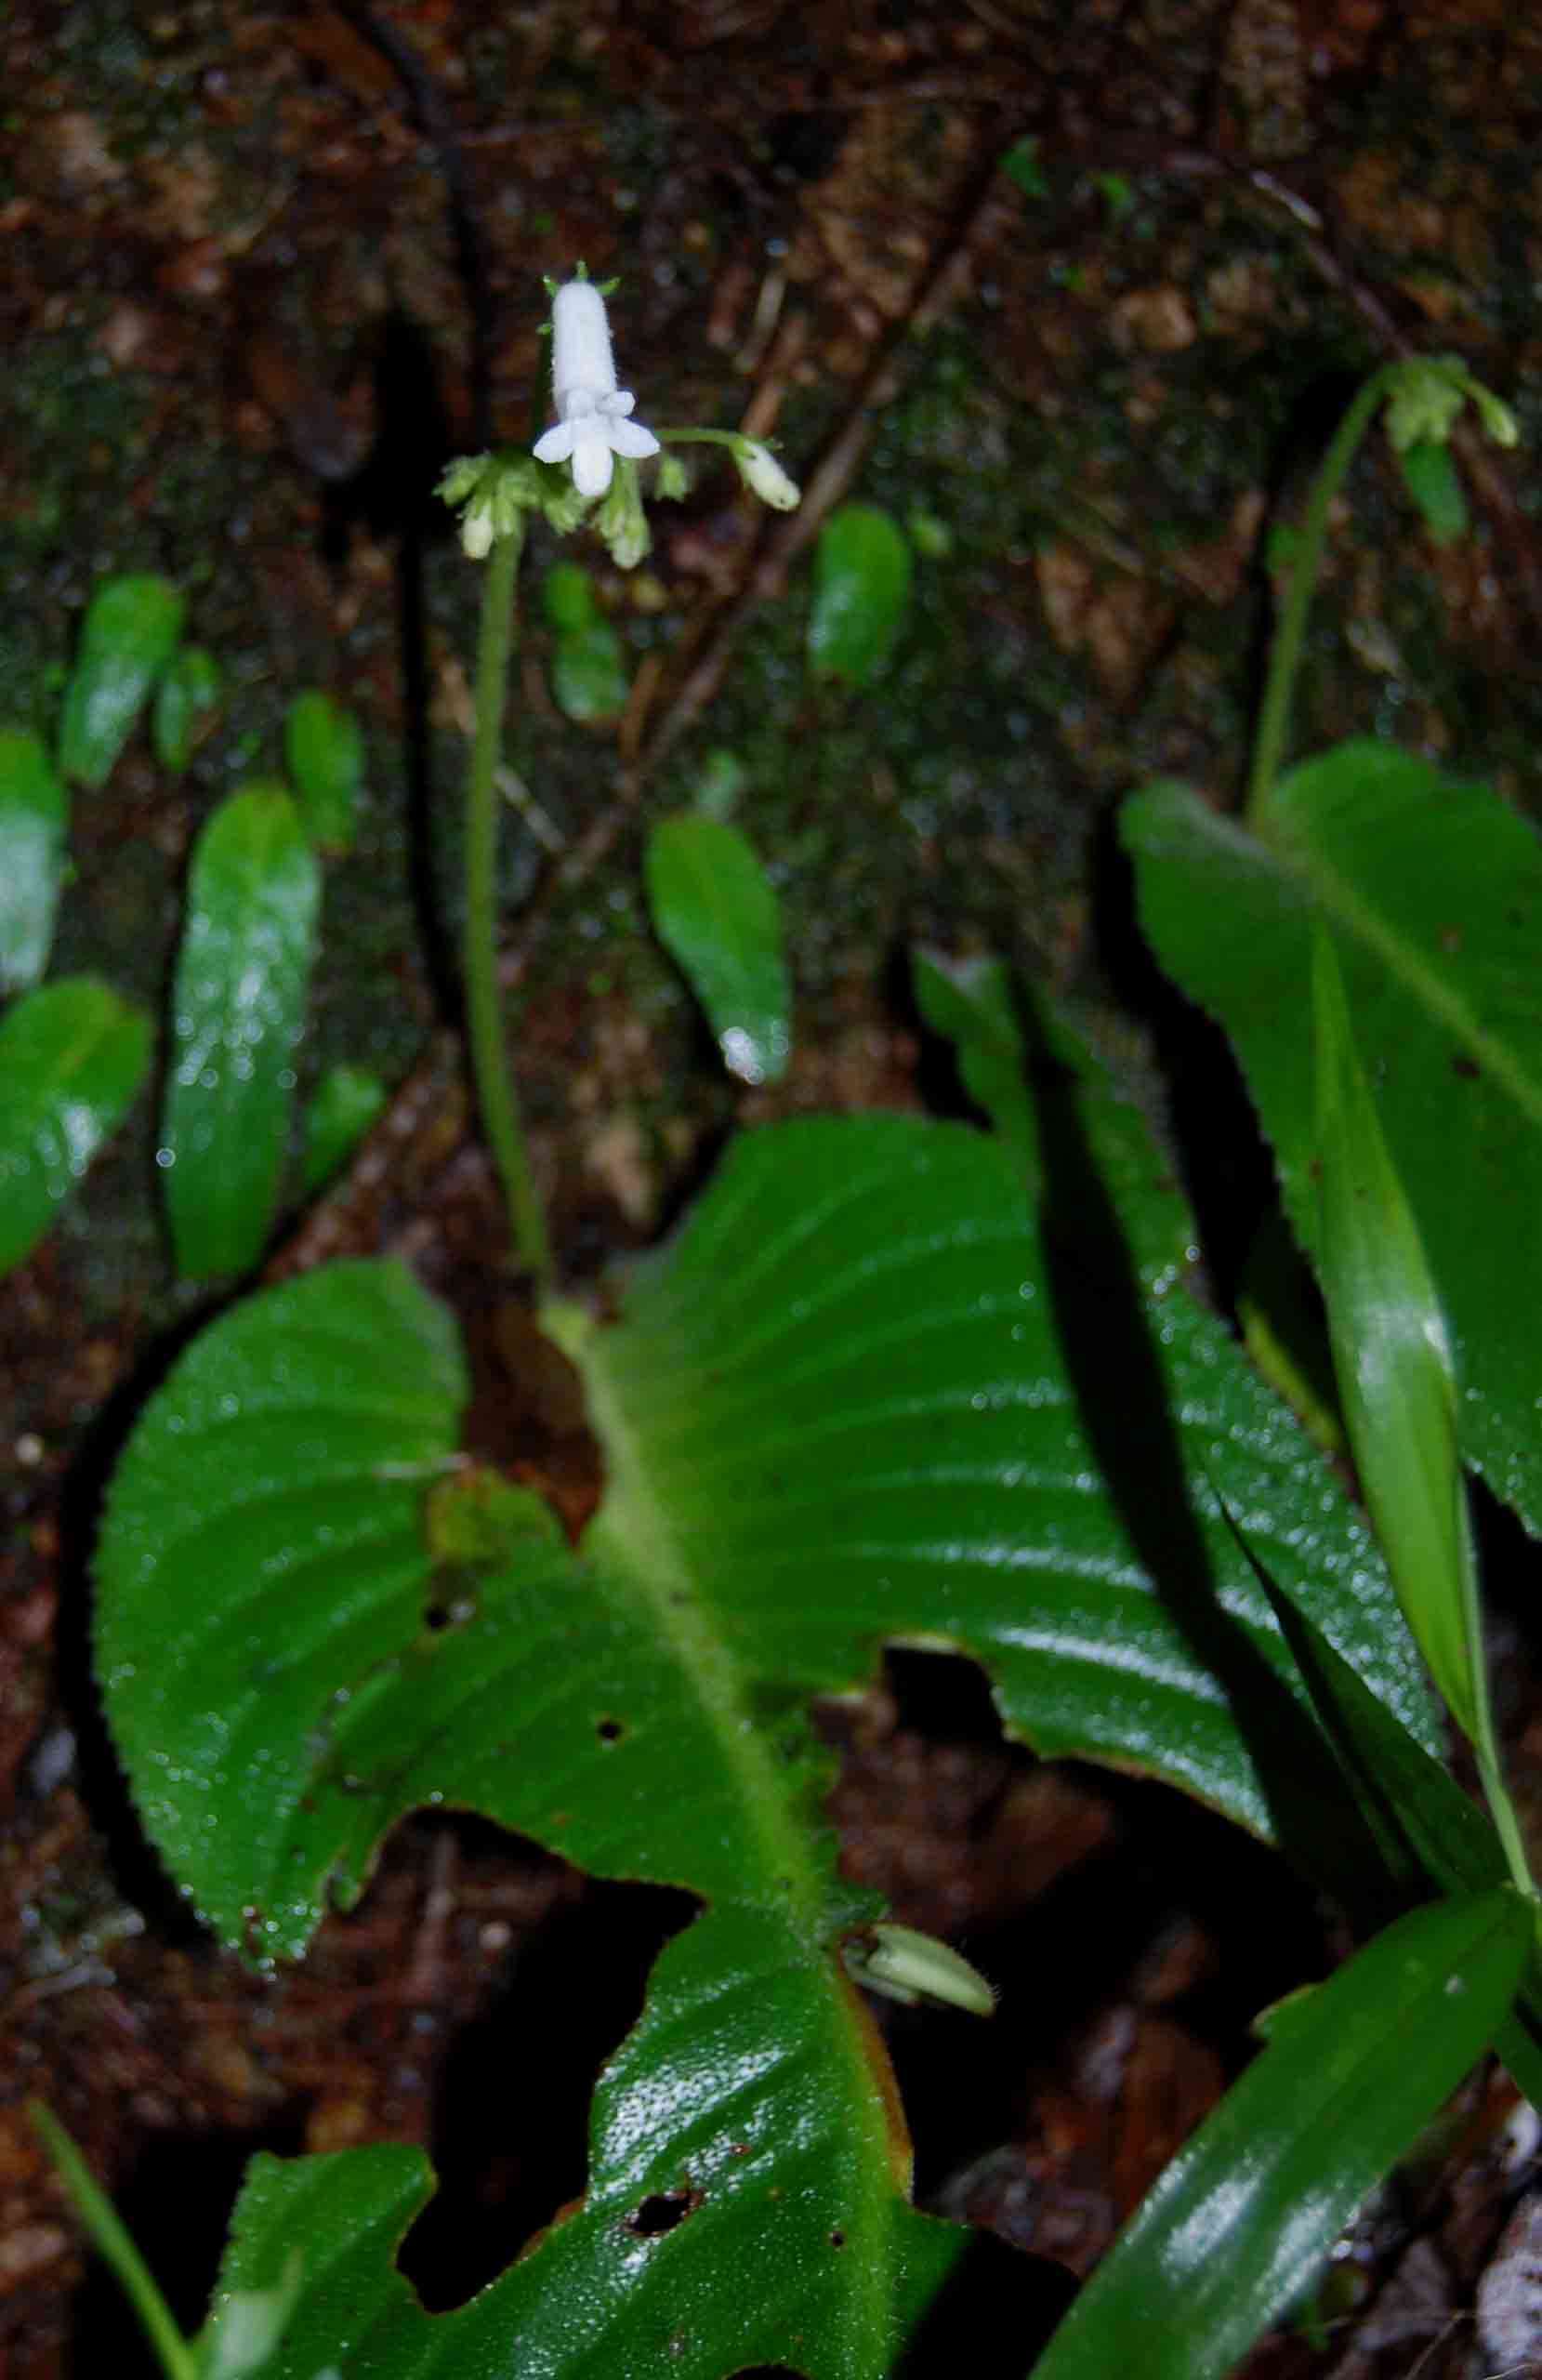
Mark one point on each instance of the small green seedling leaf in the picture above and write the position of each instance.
(347, 1101)
(589, 674)
(898, 1964)
(73, 1058)
(186, 700)
(717, 916)
(930, 535)
(238, 1005)
(323, 747)
(567, 598)
(1237, 2224)
(1021, 164)
(719, 782)
(862, 583)
(128, 636)
(1392, 1358)
(1430, 476)
(34, 814)
(588, 668)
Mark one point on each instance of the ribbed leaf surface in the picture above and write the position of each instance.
(1432, 892)
(836, 1411)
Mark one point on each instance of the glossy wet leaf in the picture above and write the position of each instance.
(238, 1005)
(1090, 1162)
(324, 748)
(346, 1104)
(1432, 893)
(34, 816)
(730, 2222)
(127, 637)
(1236, 2226)
(835, 1413)
(1393, 1363)
(186, 700)
(715, 913)
(861, 583)
(1122, 1240)
(73, 1058)
(577, 1700)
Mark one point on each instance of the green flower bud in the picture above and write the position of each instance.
(900, 1963)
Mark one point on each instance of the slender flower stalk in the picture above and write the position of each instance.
(1285, 660)
(753, 459)
(1424, 396)
(490, 1070)
(493, 494)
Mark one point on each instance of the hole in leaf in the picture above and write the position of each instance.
(837, 2239)
(511, 2137)
(453, 1612)
(610, 1731)
(663, 2212)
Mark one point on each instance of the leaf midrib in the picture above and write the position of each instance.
(636, 1548)
(1405, 966)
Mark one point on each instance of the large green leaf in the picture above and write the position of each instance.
(237, 1008)
(835, 1413)
(742, 2107)
(717, 916)
(73, 1057)
(1432, 893)
(1242, 2218)
(34, 815)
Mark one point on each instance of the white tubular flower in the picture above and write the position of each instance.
(592, 425)
(764, 476)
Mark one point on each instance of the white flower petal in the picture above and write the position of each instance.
(557, 443)
(591, 461)
(619, 401)
(630, 438)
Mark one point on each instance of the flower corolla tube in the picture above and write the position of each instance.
(592, 423)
